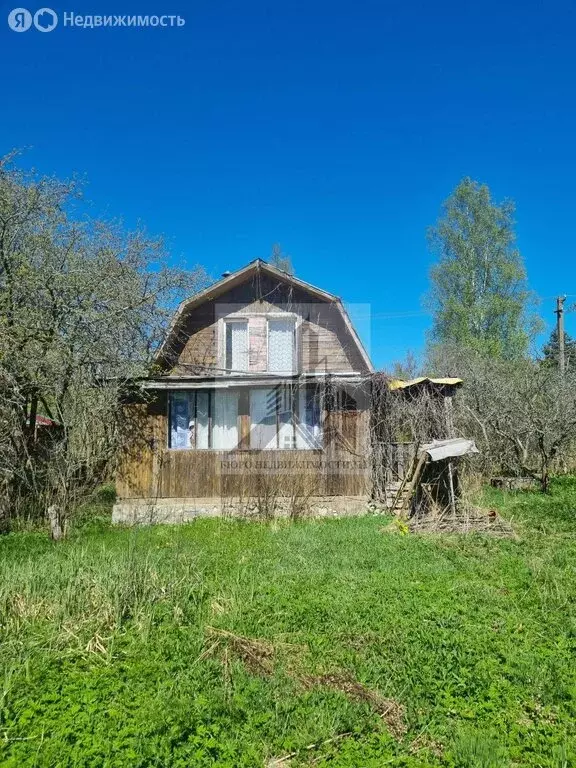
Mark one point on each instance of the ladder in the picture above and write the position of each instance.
(410, 481)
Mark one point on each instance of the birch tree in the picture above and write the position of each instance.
(479, 294)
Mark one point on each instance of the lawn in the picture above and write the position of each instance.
(326, 643)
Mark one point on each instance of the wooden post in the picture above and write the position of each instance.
(560, 332)
(448, 408)
(244, 419)
(452, 494)
(55, 525)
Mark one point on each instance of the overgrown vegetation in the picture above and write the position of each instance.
(521, 413)
(83, 303)
(518, 406)
(332, 642)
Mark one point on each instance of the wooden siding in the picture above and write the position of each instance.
(324, 342)
(148, 469)
(198, 346)
(258, 346)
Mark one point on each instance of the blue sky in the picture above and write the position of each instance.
(336, 129)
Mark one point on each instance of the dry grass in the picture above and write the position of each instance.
(259, 657)
(465, 519)
(391, 711)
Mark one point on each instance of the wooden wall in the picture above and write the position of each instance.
(148, 469)
(324, 343)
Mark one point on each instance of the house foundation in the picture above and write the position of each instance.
(150, 510)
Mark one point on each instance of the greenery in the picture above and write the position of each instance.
(115, 653)
(551, 350)
(479, 292)
(83, 305)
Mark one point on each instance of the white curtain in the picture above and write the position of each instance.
(281, 345)
(180, 420)
(263, 419)
(285, 418)
(225, 420)
(202, 411)
(239, 331)
(308, 425)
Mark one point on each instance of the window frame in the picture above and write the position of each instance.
(295, 400)
(223, 341)
(294, 396)
(245, 317)
(296, 319)
(211, 392)
(279, 395)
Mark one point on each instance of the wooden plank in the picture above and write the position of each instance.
(244, 420)
(148, 468)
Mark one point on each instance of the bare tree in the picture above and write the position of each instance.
(281, 260)
(521, 413)
(83, 304)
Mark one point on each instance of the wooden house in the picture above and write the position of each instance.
(257, 402)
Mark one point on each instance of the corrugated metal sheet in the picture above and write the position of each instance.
(446, 449)
(401, 384)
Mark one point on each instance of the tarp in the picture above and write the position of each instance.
(401, 384)
(446, 449)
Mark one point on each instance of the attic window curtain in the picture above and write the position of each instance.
(237, 345)
(281, 345)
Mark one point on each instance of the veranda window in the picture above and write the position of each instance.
(204, 419)
(309, 423)
(284, 418)
(263, 419)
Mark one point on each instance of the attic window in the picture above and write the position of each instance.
(281, 344)
(236, 341)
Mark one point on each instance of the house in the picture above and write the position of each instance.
(257, 401)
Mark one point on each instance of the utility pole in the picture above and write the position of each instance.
(559, 312)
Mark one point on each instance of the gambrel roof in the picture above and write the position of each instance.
(251, 270)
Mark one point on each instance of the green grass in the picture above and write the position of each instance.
(106, 659)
